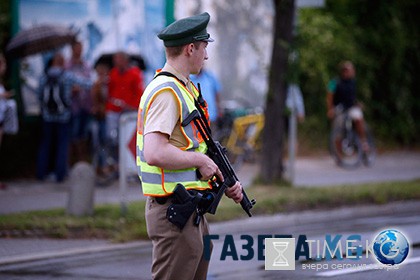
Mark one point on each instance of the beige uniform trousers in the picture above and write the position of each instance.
(176, 254)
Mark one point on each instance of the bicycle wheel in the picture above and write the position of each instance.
(370, 156)
(346, 148)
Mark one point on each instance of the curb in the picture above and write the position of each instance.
(316, 216)
(72, 252)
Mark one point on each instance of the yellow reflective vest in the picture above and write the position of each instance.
(157, 181)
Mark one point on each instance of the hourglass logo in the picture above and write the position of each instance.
(279, 254)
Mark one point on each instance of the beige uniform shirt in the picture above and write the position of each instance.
(163, 115)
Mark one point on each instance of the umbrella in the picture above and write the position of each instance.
(39, 39)
(135, 59)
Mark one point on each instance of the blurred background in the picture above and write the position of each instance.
(380, 37)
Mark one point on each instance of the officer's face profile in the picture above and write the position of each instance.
(198, 56)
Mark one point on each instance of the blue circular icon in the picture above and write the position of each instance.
(391, 247)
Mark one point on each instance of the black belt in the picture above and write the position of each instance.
(162, 199)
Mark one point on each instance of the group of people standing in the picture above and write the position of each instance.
(80, 112)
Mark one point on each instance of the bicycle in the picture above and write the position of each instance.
(346, 146)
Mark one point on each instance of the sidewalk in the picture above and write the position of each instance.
(27, 195)
(392, 166)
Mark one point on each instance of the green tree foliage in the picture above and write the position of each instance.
(382, 39)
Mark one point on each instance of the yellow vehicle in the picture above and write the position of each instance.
(243, 140)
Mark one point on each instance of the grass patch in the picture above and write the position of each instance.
(107, 222)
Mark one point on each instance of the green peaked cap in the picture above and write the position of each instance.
(186, 30)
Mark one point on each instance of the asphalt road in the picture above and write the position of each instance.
(134, 262)
(316, 227)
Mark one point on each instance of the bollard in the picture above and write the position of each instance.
(81, 190)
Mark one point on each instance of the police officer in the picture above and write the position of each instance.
(168, 153)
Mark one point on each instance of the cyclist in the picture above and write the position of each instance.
(341, 97)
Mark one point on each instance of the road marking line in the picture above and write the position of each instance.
(337, 272)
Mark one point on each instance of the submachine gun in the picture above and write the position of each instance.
(218, 154)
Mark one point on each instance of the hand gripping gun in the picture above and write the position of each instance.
(218, 154)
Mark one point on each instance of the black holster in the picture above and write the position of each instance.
(185, 203)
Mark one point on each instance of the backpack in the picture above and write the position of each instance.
(53, 96)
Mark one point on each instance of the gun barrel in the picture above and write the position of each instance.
(247, 204)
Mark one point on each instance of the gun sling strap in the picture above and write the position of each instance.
(199, 102)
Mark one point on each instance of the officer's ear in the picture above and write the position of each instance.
(189, 49)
